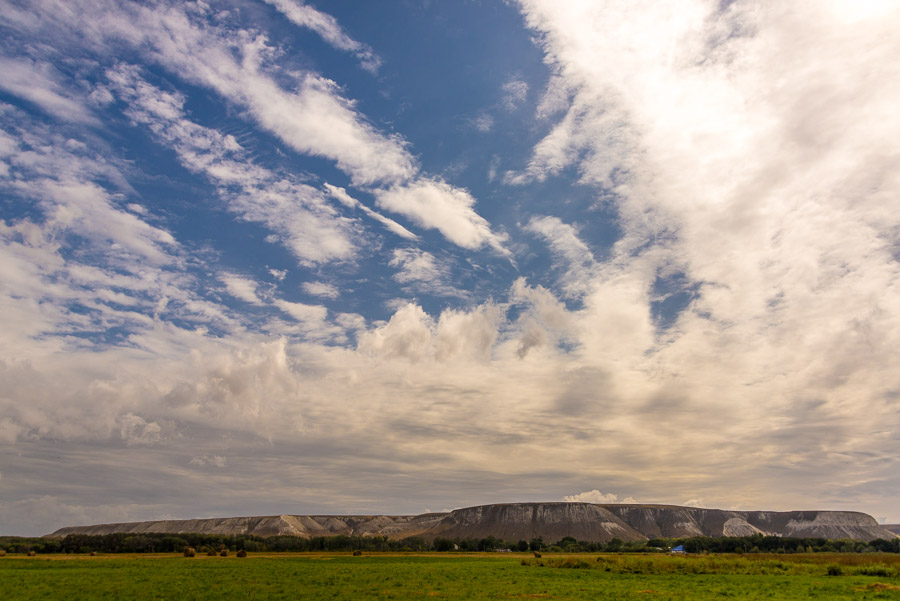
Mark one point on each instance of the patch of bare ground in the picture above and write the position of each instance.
(877, 586)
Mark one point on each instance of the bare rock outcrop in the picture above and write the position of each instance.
(524, 521)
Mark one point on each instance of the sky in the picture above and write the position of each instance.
(271, 257)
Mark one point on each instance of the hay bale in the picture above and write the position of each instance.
(211, 553)
(31, 553)
(536, 554)
(93, 554)
(223, 553)
(189, 551)
(242, 553)
(2, 552)
(357, 553)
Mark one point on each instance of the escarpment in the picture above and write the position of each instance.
(524, 521)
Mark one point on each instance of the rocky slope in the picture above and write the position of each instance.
(524, 521)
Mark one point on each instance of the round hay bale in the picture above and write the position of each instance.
(32, 553)
(189, 551)
(223, 553)
(357, 553)
(242, 553)
(211, 553)
(93, 554)
(536, 554)
(2, 552)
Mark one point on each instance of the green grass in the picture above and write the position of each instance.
(440, 576)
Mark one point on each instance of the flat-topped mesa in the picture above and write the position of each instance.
(668, 521)
(524, 521)
(305, 526)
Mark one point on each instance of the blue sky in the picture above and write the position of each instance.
(272, 257)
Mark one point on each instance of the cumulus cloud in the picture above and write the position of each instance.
(770, 199)
(215, 461)
(136, 430)
(595, 496)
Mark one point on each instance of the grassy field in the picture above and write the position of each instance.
(442, 576)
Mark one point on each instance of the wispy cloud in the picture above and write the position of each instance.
(434, 204)
(325, 25)
(37, 82)
(298, 214)
(322, 289)
(515, 91)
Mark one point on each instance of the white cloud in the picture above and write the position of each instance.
(218, 461)
(483, 122)
(515, 91)
(303, 312)
(595, 496)
(136, 430)
(434, 204)
(576, 258)
(38, 83)
(327, 26)
(344, 198)
(241, 288)
(322, 289)
(298, 214)
(417, 266)
(313, 117)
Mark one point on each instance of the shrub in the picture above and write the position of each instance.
(223, 553)
(834, 570)
(536, 554)
(189, 551)
(242, 553)
(211, 553)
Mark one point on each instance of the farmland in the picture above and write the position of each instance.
(451, 576)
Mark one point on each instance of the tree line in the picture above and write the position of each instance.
(168, 543)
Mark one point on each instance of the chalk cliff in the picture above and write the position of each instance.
(524, 521)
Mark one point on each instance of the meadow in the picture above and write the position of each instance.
(451, 576)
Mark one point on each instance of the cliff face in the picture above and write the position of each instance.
(293, 525)
(673, 522)
(524, 521)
